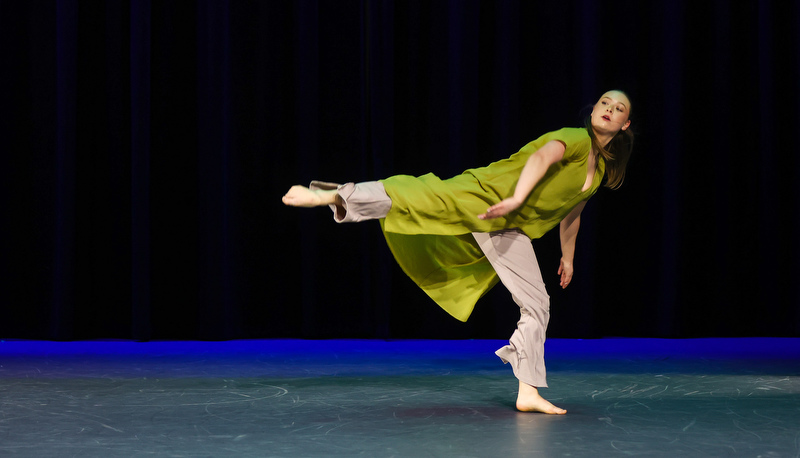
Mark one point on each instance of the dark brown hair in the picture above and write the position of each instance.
(616, 153)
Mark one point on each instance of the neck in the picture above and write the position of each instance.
(603, 138)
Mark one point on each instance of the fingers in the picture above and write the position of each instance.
(565, 270)
(566, 279)
(496, 211)
(491, 213)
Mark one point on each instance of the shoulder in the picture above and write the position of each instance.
(570, 135)
(566, 135)
(574, 139)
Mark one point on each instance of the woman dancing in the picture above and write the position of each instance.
(457, 237)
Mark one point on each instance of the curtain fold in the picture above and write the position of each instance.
(146, 146)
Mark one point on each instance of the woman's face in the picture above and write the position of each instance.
(610, 114)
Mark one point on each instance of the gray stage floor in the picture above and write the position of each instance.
(294, 398)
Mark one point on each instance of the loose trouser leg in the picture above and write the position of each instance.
(362, 201)
(511, 254)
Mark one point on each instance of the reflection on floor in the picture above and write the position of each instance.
(296, 398)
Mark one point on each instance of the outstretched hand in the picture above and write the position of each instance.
(566, 271)
(500, 209)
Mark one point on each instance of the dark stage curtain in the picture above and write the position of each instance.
(146, 145)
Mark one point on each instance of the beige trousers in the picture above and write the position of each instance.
(511, 254)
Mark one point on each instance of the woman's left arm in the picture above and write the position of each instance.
(569, 233)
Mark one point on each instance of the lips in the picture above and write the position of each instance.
(607, 117)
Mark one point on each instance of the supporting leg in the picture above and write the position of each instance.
(511, 254)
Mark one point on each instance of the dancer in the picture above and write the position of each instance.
(456, 238)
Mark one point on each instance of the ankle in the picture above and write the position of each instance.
(524, 388)
(328, 197)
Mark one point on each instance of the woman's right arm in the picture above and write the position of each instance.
(535, 168)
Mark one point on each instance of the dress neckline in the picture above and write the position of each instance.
(588, 182)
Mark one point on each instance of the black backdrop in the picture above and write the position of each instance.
(146, 145)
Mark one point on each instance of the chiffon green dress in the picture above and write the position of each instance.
(429, 227)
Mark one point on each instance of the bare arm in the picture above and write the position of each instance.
(534, 170)
(569, 234)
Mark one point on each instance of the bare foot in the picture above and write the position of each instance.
(529, 400)
(301, 196)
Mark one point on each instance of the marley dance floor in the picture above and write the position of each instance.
(297, 398)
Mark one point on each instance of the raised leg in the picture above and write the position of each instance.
(301, 196)
(350, 202)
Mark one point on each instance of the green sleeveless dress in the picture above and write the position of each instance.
(429, 227)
